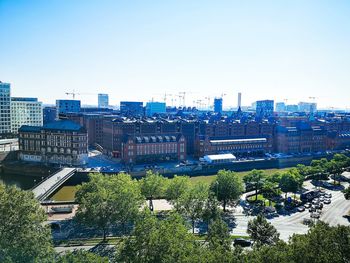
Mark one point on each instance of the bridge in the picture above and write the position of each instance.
(47, 187)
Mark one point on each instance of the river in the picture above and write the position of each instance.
(65, 193)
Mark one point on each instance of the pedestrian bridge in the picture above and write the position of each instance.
(47, 187)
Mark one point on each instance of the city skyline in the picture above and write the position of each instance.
(266, 50)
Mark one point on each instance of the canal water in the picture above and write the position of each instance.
(64, 193)
(22, 182)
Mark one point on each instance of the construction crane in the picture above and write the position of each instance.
(73, 93)
(312, 98)
(208, 101)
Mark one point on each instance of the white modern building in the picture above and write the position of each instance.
(25, 111)
(5, 108)
(103, 100)
(219, 158)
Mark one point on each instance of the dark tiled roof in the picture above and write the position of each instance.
(61, 125)
(27, 128)
(65, 125)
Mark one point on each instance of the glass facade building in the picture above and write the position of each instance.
(5, 108)
(25, 111)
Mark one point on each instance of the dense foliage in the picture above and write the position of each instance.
(227, 187)
(23, 235)
(107, 200)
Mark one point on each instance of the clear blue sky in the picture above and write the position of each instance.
(136, 50)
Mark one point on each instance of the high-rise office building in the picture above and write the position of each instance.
(218, 105)
(64, 106)
(103, 100)
(25, 111)
(5, 108)
(133, 108)
(155, 107)
(239, 102)
(264, 108)
(49, 114)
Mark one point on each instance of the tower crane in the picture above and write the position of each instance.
(73, 93)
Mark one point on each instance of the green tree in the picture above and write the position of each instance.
(335, 167)
(289, 183)
(156, 240)
(152, 186)
(269, 191)
(219, 235)
(108, 200)
(347, 193)
(211, 209)
(176, 187)
(262, 232)
(191, 203)
(23, 235)
(321, 244)
(227, 187)
(81, 256)
(256, 178)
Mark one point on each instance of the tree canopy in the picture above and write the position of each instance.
(155, 240)
(108, 200)
(152, 186)
(256, 179)
(227, 187)
(23, 235)
(262, 232)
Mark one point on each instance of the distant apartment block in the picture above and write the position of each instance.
(5, 109)
(64, 106)
(280, 107)
(25, 111)
(292, 108)
(307, 107)
(103, 100)
(132, 108)
(264, 108)
(155, 107)
(61, 142)
(49, 114)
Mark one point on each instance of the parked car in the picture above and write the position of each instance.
(315, 215)
(307, 205)
(327, 201)
(315, 201)
(301, 209)
(242, 242)
(319, 206)
(328, 195)
(312, 209)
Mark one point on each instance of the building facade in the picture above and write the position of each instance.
(307, 106)
(49, 114)
(280, 107)
(103, 100)
(153, 148)
(25, 111)
(64, 106)
(61, 142)
(154, 108)
(5, 109)
(132, 108)
(240, 147)
(264, 108)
